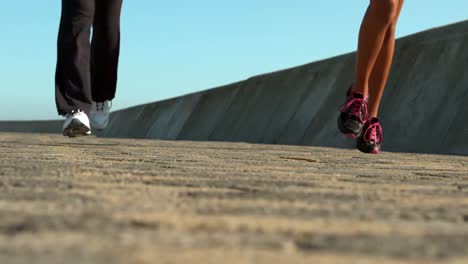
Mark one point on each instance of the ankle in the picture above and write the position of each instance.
(362, 89)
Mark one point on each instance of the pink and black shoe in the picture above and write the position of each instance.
(371, 137)
(353, 114)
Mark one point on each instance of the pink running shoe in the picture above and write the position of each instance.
(371, 137)
(353, 114)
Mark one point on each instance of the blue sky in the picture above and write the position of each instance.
(170, 48)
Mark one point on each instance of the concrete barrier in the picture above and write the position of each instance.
(424, 108)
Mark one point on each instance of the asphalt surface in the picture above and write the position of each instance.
(94, 200)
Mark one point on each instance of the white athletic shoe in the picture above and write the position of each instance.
(100, 112)
(76, 124)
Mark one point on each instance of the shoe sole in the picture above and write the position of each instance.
(99, 127)
(376, 150)
(76, 129)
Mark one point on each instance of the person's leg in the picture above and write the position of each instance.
(105, 49)
(72, 78)
(379, 16)
(372, 133)
(381, 70)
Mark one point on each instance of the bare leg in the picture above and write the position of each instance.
(379, 17)
(379, 75)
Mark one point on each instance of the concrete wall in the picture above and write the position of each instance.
(424, 107)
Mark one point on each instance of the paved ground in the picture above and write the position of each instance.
(91, 200)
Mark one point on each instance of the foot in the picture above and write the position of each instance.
(371, 137)
(100, 112)
(76, 124)
(353, 114)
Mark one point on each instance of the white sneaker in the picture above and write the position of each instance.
(76, 124)
(100, 112)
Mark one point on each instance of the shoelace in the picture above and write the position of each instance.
(374, 133)
(356, 107)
